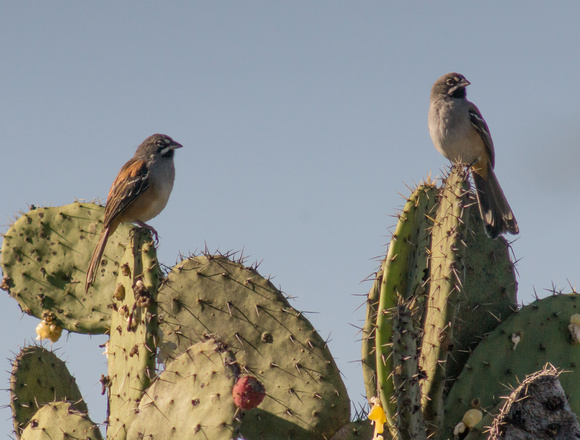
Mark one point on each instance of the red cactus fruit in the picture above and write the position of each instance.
(248, 392)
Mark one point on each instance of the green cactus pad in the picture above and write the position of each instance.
(211, 295)
(542, 328)
(368, 357)
(132, 345)
(45, 255)
(61, 420)
(489, 293)
(410, 422)
(446, 268)
(404, 273)
(357, 430)
(39, 377)
(412, 230)
(192, 398)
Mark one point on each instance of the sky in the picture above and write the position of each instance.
(304, 124)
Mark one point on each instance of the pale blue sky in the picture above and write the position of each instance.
(302, 123)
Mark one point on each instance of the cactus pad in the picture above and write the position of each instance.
(60, 420)
(404, 272)
(39, 377)
(523, 344)
(192, 398)
(357, 430)
(132, 345)
(44, 258)
(211, 295)
(489, 293)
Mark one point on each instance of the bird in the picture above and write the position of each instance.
(139, 193)
(460, 133)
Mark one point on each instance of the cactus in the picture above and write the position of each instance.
(441, 341)
(445, 288)
(305, 396)
(44, 258)
(403, 276)
(38, 366)
(357, 430)
(192, 398)
(522, 345)
(60, 420)
(489, 286)
(211, 295)
(134, 328)
(454, 301)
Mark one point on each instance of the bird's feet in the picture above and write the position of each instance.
(151, 229)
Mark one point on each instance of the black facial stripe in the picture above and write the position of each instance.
(457, 92)
(167, 151)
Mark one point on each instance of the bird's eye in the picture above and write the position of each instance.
(451, 81)
(160, 143)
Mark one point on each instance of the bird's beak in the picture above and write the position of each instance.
(464, 83)
(174, 146)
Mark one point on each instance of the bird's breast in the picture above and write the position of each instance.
(453, 136)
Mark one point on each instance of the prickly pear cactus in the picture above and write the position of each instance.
(403, 276)
(437, 296)
(523, 344)
(211, 295)
(357, 430)
(44, 258)
(489, 293)
(445, 289)
(134, 328)
(368, 352)
(192, 398)
(39, 377)
(60, 420)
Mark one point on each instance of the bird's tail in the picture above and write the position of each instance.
(96, 259)
(493, 206)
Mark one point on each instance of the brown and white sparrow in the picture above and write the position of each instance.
(461, 134)
(139, 193)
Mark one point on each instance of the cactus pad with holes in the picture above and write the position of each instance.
(192, 398)
(38, 377)
(44, 258)
(211, 295)
(60, 420)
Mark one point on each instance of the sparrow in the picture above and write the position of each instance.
(139, 193)
(460, 133)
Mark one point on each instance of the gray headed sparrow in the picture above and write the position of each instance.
(139, 193)
(460, 133)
